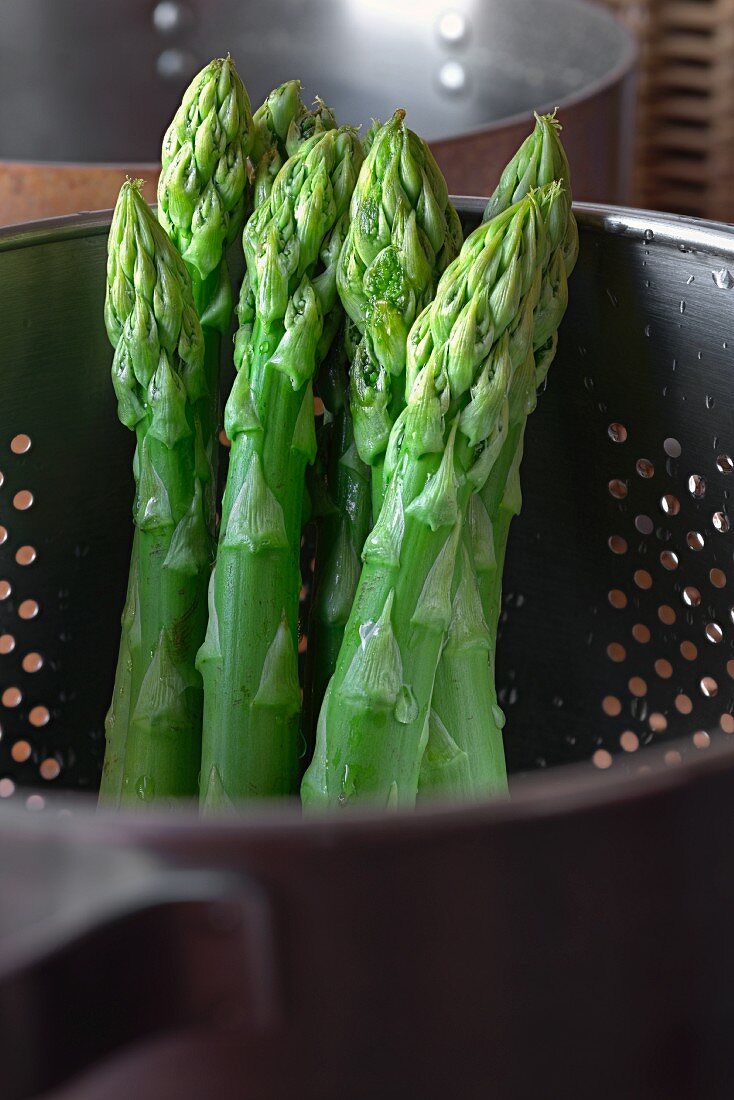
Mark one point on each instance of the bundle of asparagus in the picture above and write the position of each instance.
(427, 381)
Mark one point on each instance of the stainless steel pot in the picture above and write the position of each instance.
(86, 84)
(571, 942)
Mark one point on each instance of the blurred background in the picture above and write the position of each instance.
(684, 149)
(645, 87)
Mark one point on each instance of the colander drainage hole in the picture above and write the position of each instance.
(21, 443)
(25, 555)
(23, 500)
(32, 662)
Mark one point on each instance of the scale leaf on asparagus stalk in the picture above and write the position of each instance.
(248, 660)
(154, 725)
(465, 698)
(403, 233)
(373, 725)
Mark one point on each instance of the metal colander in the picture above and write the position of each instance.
(619, 599)
(574, 941)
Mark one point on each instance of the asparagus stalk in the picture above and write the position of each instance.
(154, 726)
(465, 695)
(373, 725)
(343, 513)
(118, 715)
(540, 159)
(281, 125)
(248, 660)
(202, 203)
(201, 206)
(403, 233)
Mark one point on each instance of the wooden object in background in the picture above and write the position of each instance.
(685, 133)
(29, 191)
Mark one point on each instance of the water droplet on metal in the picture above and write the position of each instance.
(682, 306)
(648, 330)
(612, 297)
(723, 278)
(690, 279)
(710, 402)
(648, 235)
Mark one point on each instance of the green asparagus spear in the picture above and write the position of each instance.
(464, 695)
(202, 203)
(281, 125)
(403, 233)
(373, 726)
(248, 660)
(343, 513)
(540, 159)
(154, 726)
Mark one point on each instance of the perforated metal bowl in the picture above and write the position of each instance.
(589, 917)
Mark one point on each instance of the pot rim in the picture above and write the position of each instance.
(562, 790)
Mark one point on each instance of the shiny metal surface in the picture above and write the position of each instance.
(97, 83)
(646, 345)
(576, 939)
(76, 74)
